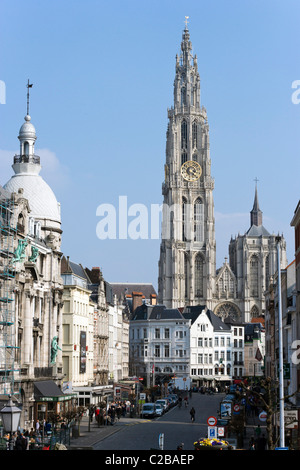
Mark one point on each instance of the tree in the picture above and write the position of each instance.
(267, 399)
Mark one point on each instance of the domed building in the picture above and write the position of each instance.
(38, 285)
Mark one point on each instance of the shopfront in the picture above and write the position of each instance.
(51, 401)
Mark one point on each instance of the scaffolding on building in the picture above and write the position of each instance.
(8, 234)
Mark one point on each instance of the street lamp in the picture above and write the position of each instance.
(281, 388)
(10, 415)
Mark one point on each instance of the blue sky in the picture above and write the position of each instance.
(102, 74)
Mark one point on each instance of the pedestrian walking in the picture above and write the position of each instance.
(192, 413)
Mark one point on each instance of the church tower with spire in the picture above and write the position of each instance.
(188, 249)
(187, 264)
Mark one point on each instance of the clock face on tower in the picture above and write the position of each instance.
(191, 171)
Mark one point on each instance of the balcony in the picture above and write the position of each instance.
(27, 159)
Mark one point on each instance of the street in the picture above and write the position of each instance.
(175, 425)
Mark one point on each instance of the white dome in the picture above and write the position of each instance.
(27, 129)
(42, 200)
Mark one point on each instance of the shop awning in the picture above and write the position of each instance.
(47, 390)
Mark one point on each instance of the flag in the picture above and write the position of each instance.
(258, 355)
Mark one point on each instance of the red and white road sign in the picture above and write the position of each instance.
(211, 421)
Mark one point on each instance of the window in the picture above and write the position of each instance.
(167, 333)
(183, 157)
(254, 276)
(194, 133)
(198, 220)
(184, 218)
(186, 276)
(183, 135)
(167, 350)
(183, 96)
(198, 275)
(157, 350)
(157, 333)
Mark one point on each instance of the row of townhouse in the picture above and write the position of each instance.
(284, 297)
(194, 346)
(95, 349)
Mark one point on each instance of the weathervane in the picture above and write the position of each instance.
(29, 85)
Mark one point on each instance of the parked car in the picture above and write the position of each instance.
(148, 410)
(164, 402)
(175, 398)
(171, 401)
(159, 409)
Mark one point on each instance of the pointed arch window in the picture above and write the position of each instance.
(254, 276)
(184, 218)
(183, 157)
(183, 135)
(195, 134)
(198, 275)
(267, 271)
(186, 275)
(183, 96)
(198, 220)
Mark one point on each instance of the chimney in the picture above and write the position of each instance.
(153, 299)
(137, 300)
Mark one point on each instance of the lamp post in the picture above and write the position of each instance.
(281, 390)
(10, 415)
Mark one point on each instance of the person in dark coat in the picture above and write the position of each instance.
(192, 413)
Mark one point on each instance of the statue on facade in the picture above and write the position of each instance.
(19, 254)
(34, 254)
(54, 349)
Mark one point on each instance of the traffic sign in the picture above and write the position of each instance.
(221, 432)
(212, 432)
(211, 421)
(236, 408)
(263, 416)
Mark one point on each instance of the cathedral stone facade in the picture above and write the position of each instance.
(187, 264)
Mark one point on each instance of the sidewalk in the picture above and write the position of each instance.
(91, 433)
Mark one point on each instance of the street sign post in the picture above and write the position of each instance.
(212, 421)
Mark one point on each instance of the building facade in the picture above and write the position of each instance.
(159, 344)
(38, 286)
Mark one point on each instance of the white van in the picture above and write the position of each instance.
(148, 410)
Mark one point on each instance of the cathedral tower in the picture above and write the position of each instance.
(187, 264)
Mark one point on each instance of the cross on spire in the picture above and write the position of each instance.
(186, 21)
(29, 85)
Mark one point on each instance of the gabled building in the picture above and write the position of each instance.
(78, 330)
(210, 348)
